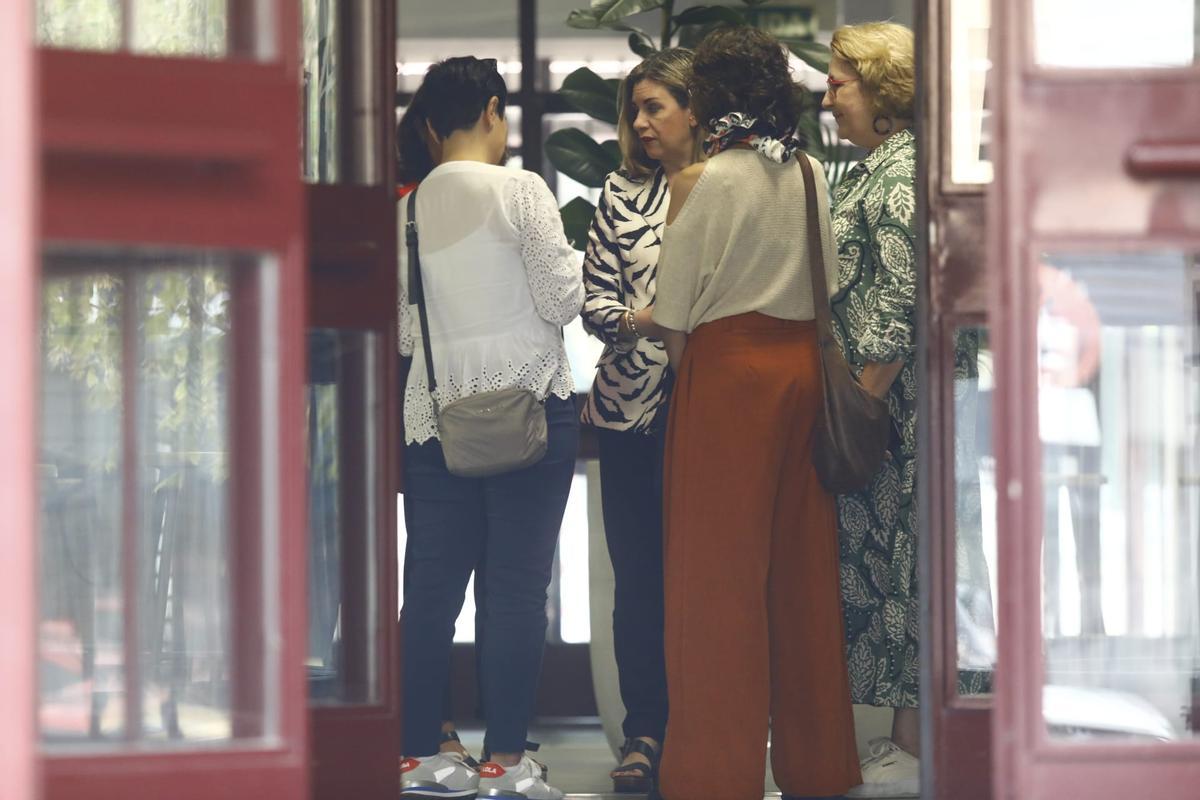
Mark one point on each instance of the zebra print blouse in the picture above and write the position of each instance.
(619, 269)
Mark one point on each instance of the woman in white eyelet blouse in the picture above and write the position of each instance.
(500, 280)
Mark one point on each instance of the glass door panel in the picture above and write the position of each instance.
(150, 369)
(968, 67)
(1119, 421)
(343, 413)
(322, 90)
(1086, 34)
(974, 512)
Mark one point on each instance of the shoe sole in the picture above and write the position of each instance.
(436, 791)
(502, 794)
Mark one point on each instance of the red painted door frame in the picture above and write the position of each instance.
(352, 270)
(1054, 126)
(18, 344)
(203, 154)
(956, 729)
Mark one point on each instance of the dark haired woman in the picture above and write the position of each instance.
(500, 280)
(627, 406)
(754, 639)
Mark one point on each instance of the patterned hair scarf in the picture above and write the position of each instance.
(739, 128)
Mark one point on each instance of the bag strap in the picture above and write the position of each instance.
(816, 254)
(416, 293)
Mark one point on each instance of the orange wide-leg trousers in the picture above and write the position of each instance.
(754, 637)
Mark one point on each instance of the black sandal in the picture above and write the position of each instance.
(643, 782)
(452, 736)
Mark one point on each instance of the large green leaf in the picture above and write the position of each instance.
(815, 54)
(617, 10)
(580, 157)
(710, 15)
(613, 148)
(591, 94)
(577, 217)
(641, 45)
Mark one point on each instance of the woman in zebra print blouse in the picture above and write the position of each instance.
(628, 403)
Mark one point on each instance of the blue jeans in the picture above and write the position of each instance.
(510, 523)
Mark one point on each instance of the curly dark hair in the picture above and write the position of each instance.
(740, 68)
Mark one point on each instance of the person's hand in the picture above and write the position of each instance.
(645, 323)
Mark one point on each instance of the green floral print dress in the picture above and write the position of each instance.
(874, 314)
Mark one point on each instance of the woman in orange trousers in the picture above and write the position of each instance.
(754, 638)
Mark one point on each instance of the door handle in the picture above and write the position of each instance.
(1163, 159)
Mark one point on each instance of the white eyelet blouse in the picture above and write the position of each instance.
(500, 281)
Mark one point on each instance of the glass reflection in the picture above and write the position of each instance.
(154, 27)
(970, 113)
(137, 512)
(321, 91)
(1085, 34)
(343, 405)
(1119, 420)
(975, 512)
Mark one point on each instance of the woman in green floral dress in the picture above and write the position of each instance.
(870, 92)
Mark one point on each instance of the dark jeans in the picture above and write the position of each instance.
(631, 490)
(510, 523)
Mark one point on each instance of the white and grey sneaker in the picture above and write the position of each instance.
(890, 771)
(522, 782)
(441, 775)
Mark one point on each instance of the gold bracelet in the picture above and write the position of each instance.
(632, 327)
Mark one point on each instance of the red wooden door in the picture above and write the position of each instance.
(1094, 235)
(18, 281)
(352, 398)
(170, 458)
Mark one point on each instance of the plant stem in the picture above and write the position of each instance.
(667, 12)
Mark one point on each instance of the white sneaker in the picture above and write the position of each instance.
(441, 775)
(889, 771)
(522, 782)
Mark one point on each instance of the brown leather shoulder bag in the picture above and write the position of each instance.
(854, 425)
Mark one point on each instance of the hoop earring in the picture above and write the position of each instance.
(888, 120)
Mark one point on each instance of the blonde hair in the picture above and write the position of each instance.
(882, 55)
(672, 68)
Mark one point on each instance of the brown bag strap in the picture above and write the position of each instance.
(816, 252)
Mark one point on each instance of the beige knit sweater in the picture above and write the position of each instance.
(740, 244)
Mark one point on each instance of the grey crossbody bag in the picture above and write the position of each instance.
(488, 433)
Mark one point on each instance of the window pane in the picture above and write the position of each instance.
(970, 112)
(191, 28)
(141, 536)
(1100, 34)
(81, 464)
(79, 24)
(974, 512)
(1119, 419)
(321, 91)
(180, 28)
(342, 409)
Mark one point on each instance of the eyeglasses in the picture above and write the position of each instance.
(834, 85)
